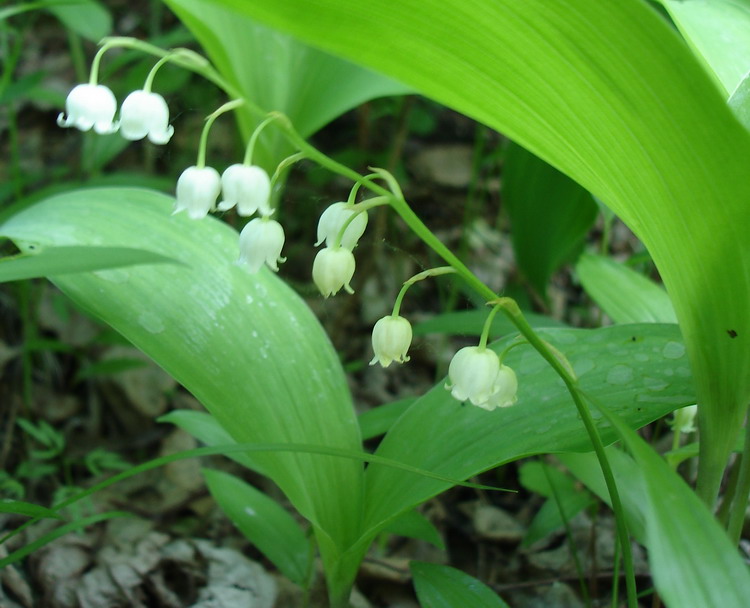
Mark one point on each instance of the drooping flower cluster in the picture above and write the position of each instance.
(142, 114)
(333, 267)
(477, 375)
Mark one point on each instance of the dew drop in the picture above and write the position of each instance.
(673, 350)
(117, 275)
(655, 384)
(151, 322)
(620, 374)
(249, 299)
(642, 357)
(249, 511)
(582, 366)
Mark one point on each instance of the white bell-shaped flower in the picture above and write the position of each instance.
(197, 191)
(261, 241)
(391, 338)
(145, 114)
(472, 373)
(333, 269)
(332, 221)
(246, 186)
(684, 419)
(504, 390)
(90, 106)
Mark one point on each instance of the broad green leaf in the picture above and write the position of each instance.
(622, 293)
(585, 467)
(445, 587)
(86, 18)
(264, 523)
(470, 323)
(278, 72)
(641, 371)
(413, 524)
(28, 509)
(206, 428)
(378, 420)
(692, 561)
(564, 502)
(608, 93)
(719, 31)
(739, 102)
(53, 261)
(245, 345)
(550, 215)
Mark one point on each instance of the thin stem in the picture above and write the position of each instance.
(358, 184)
(150, 78)
(511, 309)
(487, 325)
(432, 272)
(248, 160)
(227, 107)
(739, 504)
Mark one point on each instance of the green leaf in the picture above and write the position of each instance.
(264, 523)
(279, 73)
(718, 32)
(565, 500)
(28, 509)
(739, 102)
(641, 371)
(470, 323)
(86, 18)
(692, 560)
(610, 95)
(53, 261)
(413, 524)
(206, 428)
(378, 420)
(622, 293)
(532, 189)
(445, 587)
(245, 345)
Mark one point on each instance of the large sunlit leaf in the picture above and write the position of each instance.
(534, 191)
(245, 345)
(719, 31)
(607, 92)
(278, 72)
(640, 371)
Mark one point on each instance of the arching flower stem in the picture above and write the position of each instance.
(227, 107)
(432, 272)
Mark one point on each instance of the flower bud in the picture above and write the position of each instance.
(332, 221)
(261, 241)
(333, 269)
(145, 114)
(90, 105)
(197, 190)
(246, 186)
(473, 373)
(391, 338)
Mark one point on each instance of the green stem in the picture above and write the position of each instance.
(511, 309)
(487, 325)
(739, 504)
(248, 160)
(432, 272)
(227, 107)
(152, 74)
(355, 188)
